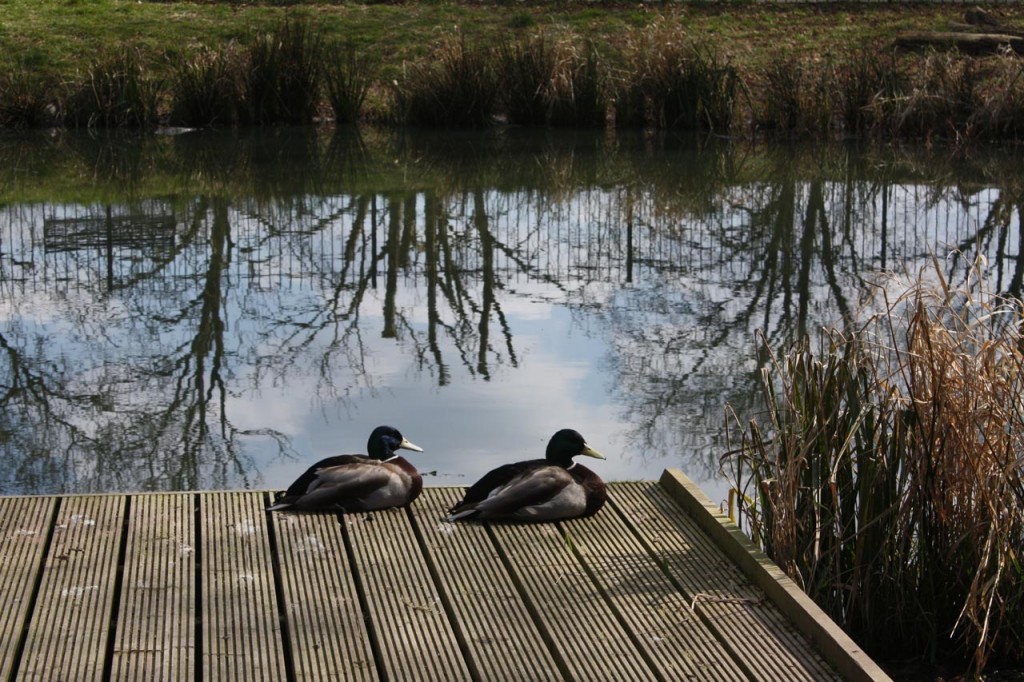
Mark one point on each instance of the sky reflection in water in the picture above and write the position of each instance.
(217, 311)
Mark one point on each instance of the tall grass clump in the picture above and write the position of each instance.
(26, 100)
(204, 89)
(455, 86)
(675, 82)
(884, 475)
(868, 83)
(282, 75)
(527, 70)
(797, 96)
(115, 92)
(999, 109)
(347, 75)
(945, 89)
(578, 96)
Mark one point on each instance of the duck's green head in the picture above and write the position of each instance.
(565, 445)
(385, 440)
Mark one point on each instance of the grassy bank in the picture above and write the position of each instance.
(783, 70)
(57, 37)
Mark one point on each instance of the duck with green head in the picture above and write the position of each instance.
(358, 483)
(549, 489)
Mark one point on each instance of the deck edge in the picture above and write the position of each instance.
(831, 641)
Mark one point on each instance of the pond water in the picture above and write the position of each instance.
(219, 310)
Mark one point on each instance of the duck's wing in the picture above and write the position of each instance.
(518, 486)
(495, 479)
(303, 483)
(310, 479)
(335, 485)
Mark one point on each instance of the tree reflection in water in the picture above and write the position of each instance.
(205, 311)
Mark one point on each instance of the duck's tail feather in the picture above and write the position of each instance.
(464, 513)
(283, 503)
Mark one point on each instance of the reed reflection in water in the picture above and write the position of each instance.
(218, 311)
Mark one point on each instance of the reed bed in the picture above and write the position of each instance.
(527, 70)
(25, 100)
(577, 94)
(348, 78)
(281, 75)
(205, 90)
(797, 96)
(674, 82)
(657, 77)
(455, 86)
(885, 474)
(868, 84)
(114, 93)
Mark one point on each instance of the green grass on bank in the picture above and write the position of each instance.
(59, 38)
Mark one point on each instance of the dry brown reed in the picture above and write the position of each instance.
(675, 82)
(577, 96)
(798, 96)
(942, 98)
(867, 84)
(455, 86)
(999, 110)
(527, 69)
(885, 474)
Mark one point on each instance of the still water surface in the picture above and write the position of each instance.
(219, 310)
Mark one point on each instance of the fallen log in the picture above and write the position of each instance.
(955, 27)
(968, 43)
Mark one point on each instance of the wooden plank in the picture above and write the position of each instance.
(501, 637)
(329, 637)
(744, 557)
(657, 614)
(24, 523)
(155, 625)
(241, 638)
(760, 636)
(415, 637)
(67, 638)
(585, 629)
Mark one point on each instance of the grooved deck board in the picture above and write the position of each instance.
(502, 638)
(155, 625)
(68, 634)
(736, 610)
(585, 629)
(24, 524)
(406, 612)
(241, 631)
(210, 586)
(330, 639)
(659, 618)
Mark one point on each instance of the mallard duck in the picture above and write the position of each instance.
(358, 483)
(546, 489)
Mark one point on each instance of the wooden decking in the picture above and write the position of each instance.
(210, 586)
